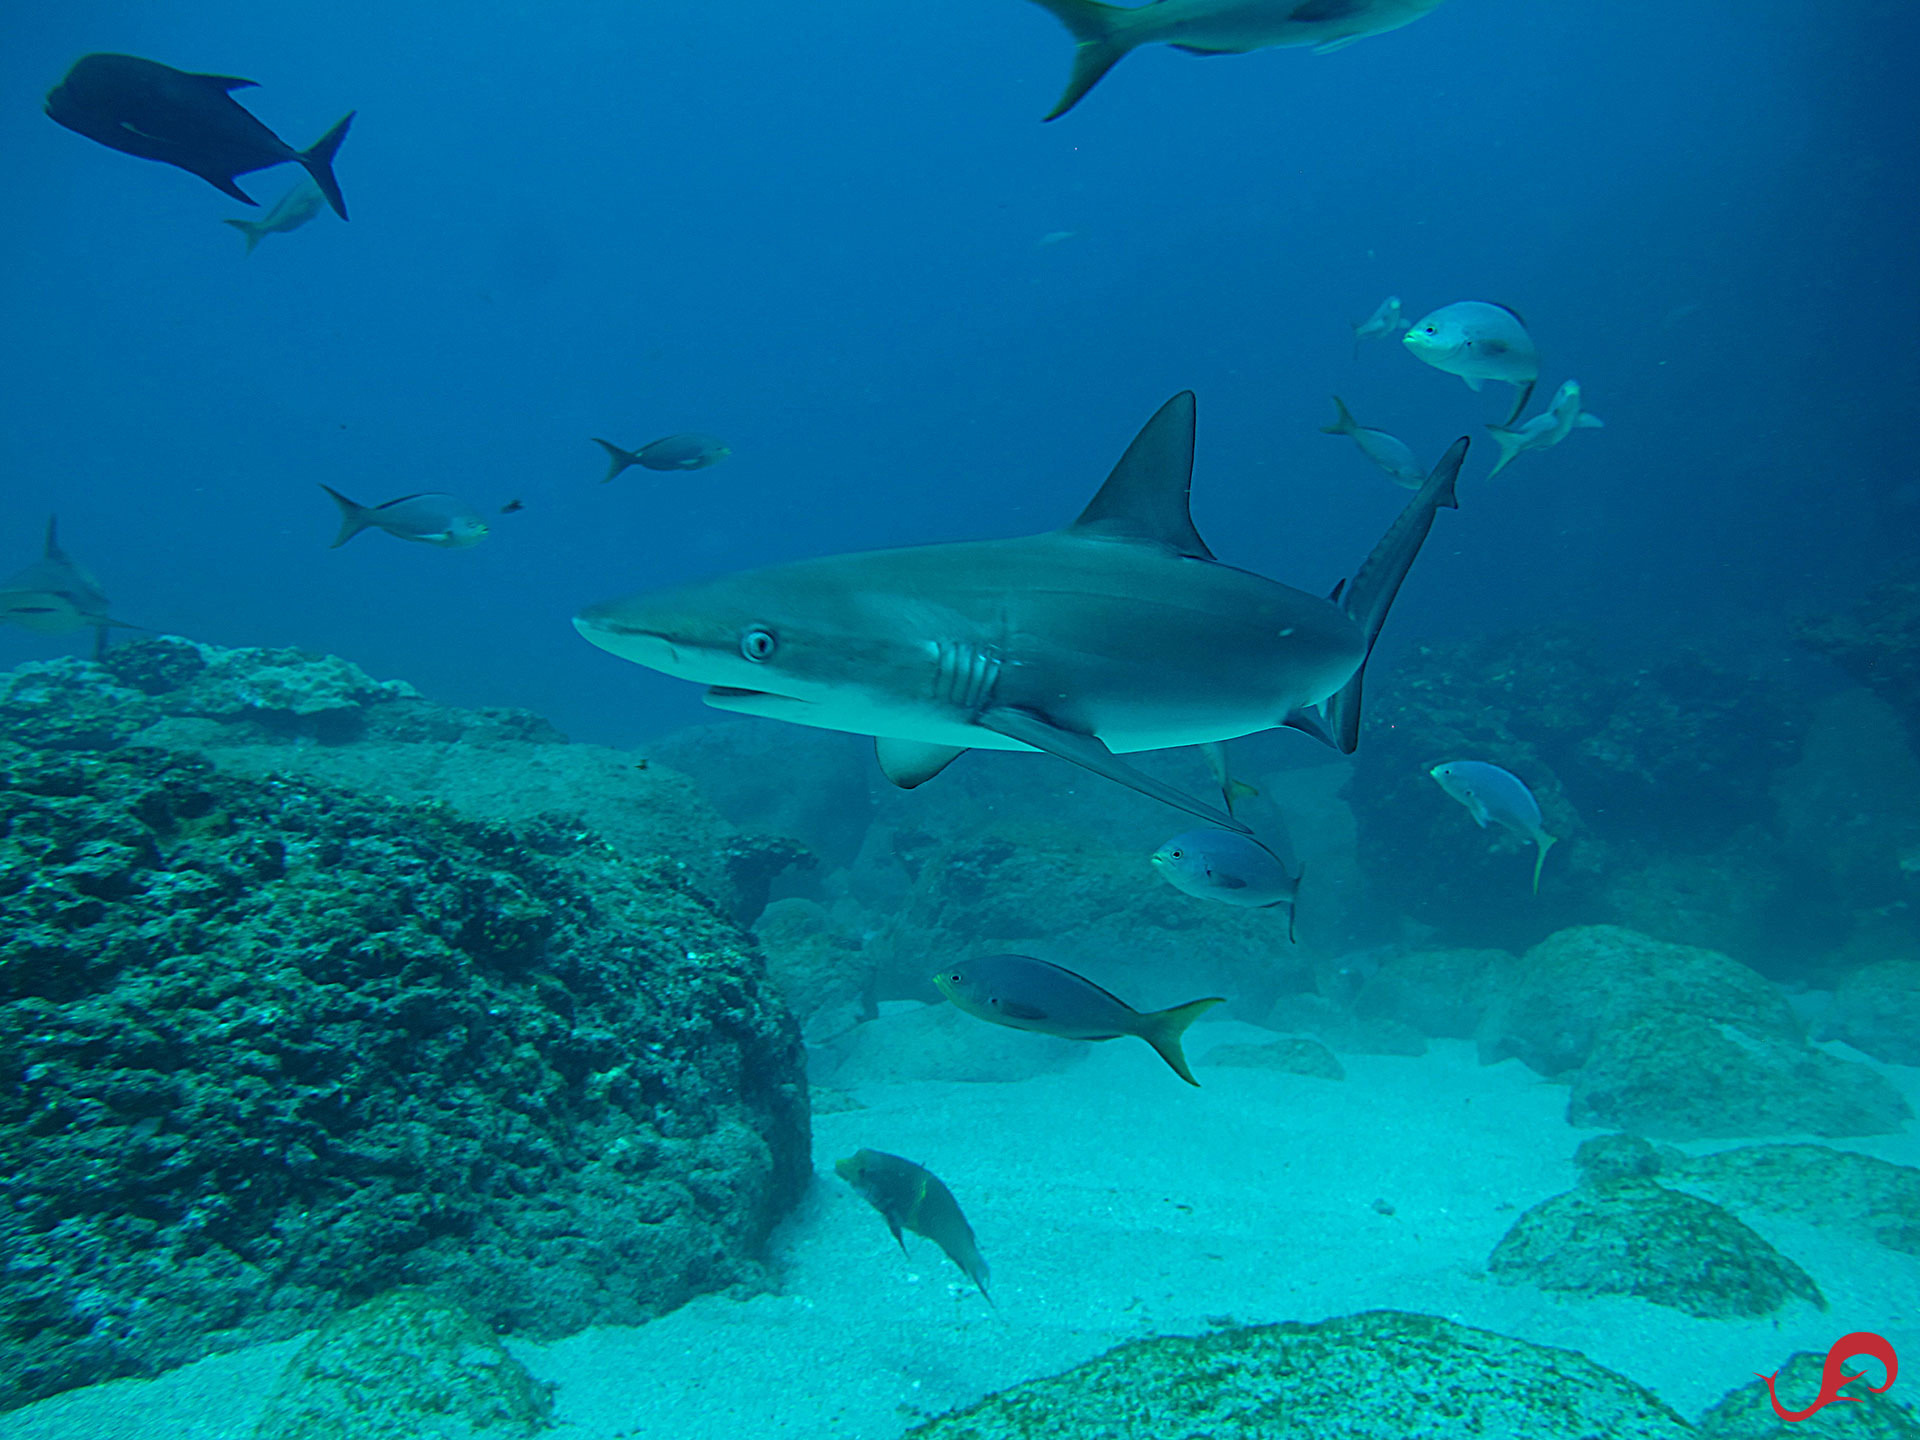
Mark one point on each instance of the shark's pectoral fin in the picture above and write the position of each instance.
(910, 763)
(1087, 752)
(1309, 722)
(1474, 383)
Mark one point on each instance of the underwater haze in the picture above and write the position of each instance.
(816, 233)
(420, 1014)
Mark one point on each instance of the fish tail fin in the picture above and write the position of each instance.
(248, 229)
(1343, 423)
(1520, 400)
(318, 158)
(1371, 594)
(617, 459)
(1235, 790)
(1163, 1028)
(1545, 842)
(353, 517)
(1093, 26)
(1511, 443)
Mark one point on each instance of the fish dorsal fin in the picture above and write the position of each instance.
(1145, 498)
(53, 550)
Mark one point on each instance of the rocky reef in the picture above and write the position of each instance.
(1877, 642)
(272, 1045)
(1632, 764)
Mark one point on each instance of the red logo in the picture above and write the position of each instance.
(1834, 1377)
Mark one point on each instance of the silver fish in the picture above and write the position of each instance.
(1387, 319)
(1500, 796)
(1478, 341)
(1023, 993)
(1544, 431)
(429, 518)
(289, 212)
(1390, 454)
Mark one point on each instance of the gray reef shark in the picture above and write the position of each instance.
(1105, 33)
(1119, 633)
(55, 595)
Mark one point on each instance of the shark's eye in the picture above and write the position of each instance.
(758, 645)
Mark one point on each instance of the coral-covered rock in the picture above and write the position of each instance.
(1633, 1237)
(1876, 1009)
(1837, 1190)
(406, 1365)
(1381, 1375)
(1748, 1413)
(268, 1046)
(1442, 994)
(1877, 642)
(1550, 1007)
(1678, 1075)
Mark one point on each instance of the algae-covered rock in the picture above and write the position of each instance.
(1607, 1158)
(268, 1046)
(1382, 1375)
(1748, 1414)
(1550, 1007)
(1837, 1190)
(812, 959)
(1337, 1027)
(1633, 1237)
(409, 1365)
(1290, 1056)
(1674, 1075)
(1876, 1009)
(1878, 643)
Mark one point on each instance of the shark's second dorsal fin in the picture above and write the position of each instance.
(1145, 498)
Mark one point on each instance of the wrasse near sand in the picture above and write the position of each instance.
(141, 107)
(1105, 33)
(1119, 633)
(912, 1197)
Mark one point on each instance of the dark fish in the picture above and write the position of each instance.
(55, 594)
(144, 108)
(1023, 993)
(512, 506)
(431, 518)
(912, 1197)
(671, 452)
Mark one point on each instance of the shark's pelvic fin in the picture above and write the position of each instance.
(1371, 593)
(911, 763)
(1086, 751)
(1146, 496)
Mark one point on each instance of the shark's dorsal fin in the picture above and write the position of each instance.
(1145, 498)
(53, 550)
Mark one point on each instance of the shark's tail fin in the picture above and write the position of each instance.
(617, 459)
(1371, 594)
(248, 229)
(353, 517)
(1094, 26)
(318, 158)
(1511, 442)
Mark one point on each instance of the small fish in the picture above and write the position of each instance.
(289, 212)
(673, 452)
(1054, 237)
(1105, 33)
(1389, 453)
(1027, 994)
(912, 1197)
(1490, 793)
(1386, 319)
(141, 107)
(1546, 430)
(1478, 342)
(1227, 866)
(429, 518)
(513, 507)
(56, 594)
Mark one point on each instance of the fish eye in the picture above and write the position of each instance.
(1177, 854)
(758, 645)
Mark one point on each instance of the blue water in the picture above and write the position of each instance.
(813, 231)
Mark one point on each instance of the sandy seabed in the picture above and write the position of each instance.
(1114, 1202)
